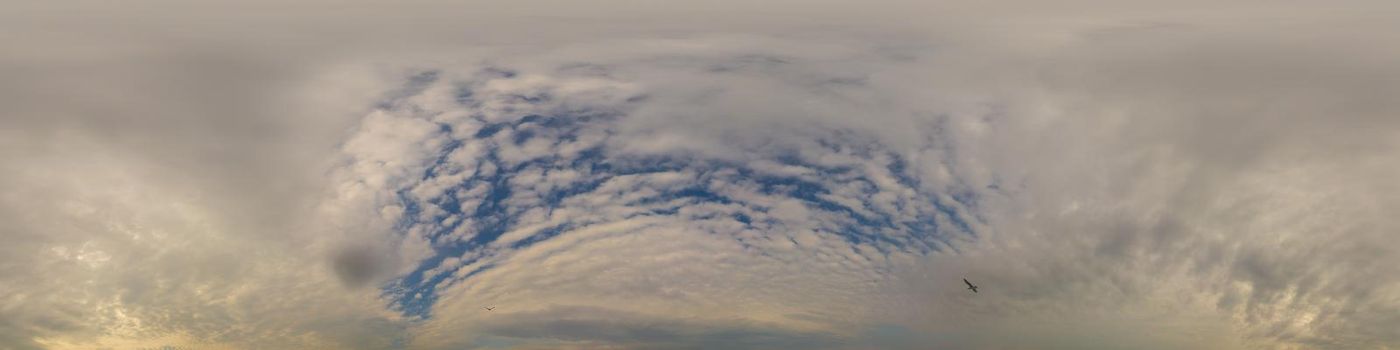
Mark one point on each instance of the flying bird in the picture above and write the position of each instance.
(489, 308)
(970, 286)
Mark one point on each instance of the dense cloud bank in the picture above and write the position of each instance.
(1148, 178)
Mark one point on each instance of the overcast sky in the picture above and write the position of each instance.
(700, 175)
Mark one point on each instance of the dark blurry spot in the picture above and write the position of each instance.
(499, 72)
(356, 266)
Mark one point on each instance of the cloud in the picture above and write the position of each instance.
(700, 176)
(104, 257)
(563, 210)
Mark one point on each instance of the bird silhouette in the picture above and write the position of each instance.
(489, 308)
(970, 286)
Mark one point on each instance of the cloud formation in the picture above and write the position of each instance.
(1154, 177)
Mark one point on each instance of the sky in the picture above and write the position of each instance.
(628, 174)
